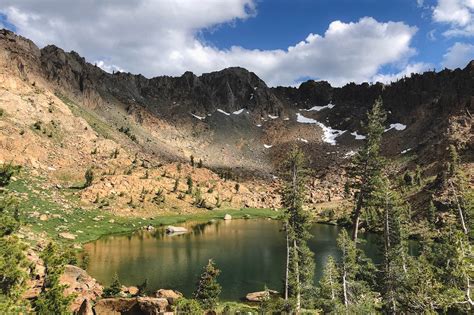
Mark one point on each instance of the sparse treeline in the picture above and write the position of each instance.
(16, 269)
(437, 279)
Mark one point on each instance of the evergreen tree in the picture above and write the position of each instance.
(367, 164)
(88, 177)
(330, 289)
(176, 184)
(191, 160)
(115, 287)
(395, 247)
(357, 297)
(189, 182)
(13, 261)
(208, 289)
(51, 300)
(300, 261)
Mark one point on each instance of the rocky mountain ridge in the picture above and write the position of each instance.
(232, 120)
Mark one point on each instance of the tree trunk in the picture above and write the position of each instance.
(461, 214)
(356, 220)
(297, 272)
(344, 276)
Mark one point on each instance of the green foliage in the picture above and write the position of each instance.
(208, 289)
(237, 187)
(189, 182)
(51, 300)
(176, 184)
(13, 275)
(300, 265)
(330, 289)
(191, 160)
(159, 197)
(200, 163)
(88, 177)
(199, 200)
(188, 306)
(114, 289)
(367, 164)
(7, 170)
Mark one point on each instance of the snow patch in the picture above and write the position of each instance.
(303, 140)
(272, 117)
(267, 146)
(405, 151)
(238, 112)
(223, 112)
(251, 96)
(286, 118)
(319, 108)
(358, 136)
(329, 135)
(198, 117)
(259, 125)
(397, 126)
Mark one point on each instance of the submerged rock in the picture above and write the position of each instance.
(227, 217)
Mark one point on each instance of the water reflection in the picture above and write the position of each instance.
(250, 253)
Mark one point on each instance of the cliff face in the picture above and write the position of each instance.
(426, 103)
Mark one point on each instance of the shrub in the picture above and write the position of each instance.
(188, 306)
(208, 289)
(89, 177)
(7, 170)
(114, 289)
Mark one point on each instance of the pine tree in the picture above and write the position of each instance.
(357, 297)
(300, 262)
(88, 177)
(330, 289)
(189, 182)
(114, 288)
(191, 160)
(208, 289)
(51, 299)
(395, 247)
(367, 163)
(13, 261)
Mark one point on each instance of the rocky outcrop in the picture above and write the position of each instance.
(80, 283)
(136, 306)
(171, 295)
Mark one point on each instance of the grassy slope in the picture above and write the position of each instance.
(66, 215)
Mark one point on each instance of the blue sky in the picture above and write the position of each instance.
(353, 40)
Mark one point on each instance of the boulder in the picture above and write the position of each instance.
(67, 236)
(115, 306)
(227, 217)
(259, 295)
(176, 229)
(81, 284)
(85, 308)
(170, 295)
(153, 306)
(132, 290)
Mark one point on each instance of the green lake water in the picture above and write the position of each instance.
(250, 254)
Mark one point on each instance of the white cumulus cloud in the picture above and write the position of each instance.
(458, 14)
(458, 55)
(164, 37)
